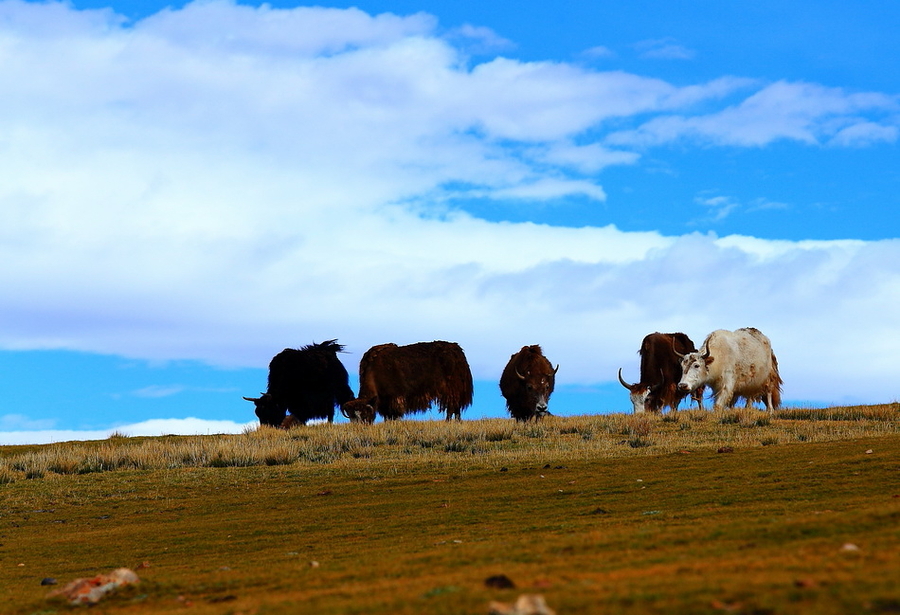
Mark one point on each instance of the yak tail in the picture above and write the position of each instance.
(775, 383)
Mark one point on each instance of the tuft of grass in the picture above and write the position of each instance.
(880, 412)
(639, 425)
(8, 475)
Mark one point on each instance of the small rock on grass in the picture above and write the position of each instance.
(499, 581)
(527, 604)
(94, 589)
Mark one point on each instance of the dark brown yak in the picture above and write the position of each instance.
(308, 383)
(527, 383)
(398, 380)
(660, 373)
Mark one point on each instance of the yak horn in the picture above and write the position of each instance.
(557, 368)
(675, 350)
(521, 377)
(622, 380)
(254, 400)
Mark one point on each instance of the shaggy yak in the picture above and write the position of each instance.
(398, 380)
(527, 382)
(307, 383)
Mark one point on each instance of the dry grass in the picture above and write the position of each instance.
(601, 514)
(493, 441)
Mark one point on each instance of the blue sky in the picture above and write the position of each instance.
(187, 189)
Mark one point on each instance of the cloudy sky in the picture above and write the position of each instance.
(187, 189)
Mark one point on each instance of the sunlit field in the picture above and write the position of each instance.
(742, 511)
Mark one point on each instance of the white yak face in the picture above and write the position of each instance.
(638, 393)
(639, 396)
(693, 371)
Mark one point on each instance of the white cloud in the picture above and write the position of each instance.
(301, 31)
(552, 188)
(664, 49)
(478, 39)
(803, 112)
(598, 52)
(865, 133)
(590, 158)
(722, 206)
(176, 190)
(18, 422)
(157, 390)
(153, 427)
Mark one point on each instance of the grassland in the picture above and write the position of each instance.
(800, 513)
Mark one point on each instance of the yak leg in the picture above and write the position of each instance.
(697, 395)
(724, 397)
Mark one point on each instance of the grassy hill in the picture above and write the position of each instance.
(799, 513)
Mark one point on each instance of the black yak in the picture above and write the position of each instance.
(399, 380)
(527, 382)
(307, 382)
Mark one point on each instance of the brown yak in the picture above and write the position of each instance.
(398, 380)
(660, 373)
(527, 383)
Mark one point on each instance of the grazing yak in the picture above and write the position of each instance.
(527, 382)
(660, 373)
(308, 383)
(734, 364)
(399, 380)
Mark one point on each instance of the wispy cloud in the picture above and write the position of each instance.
(802, 112)
(598, 52)
(479, 40)
(664, 49)
(158, 391)
(21, 422)
(720, 206)
(154, 427)
(864, 133)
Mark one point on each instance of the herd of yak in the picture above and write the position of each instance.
(310, 382)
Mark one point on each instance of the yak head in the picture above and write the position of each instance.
(694, 369)
(644, 397)
(639, 393)
(538, 387)
(268, 412)
(360, 410)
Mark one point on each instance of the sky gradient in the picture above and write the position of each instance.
(188, 189)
